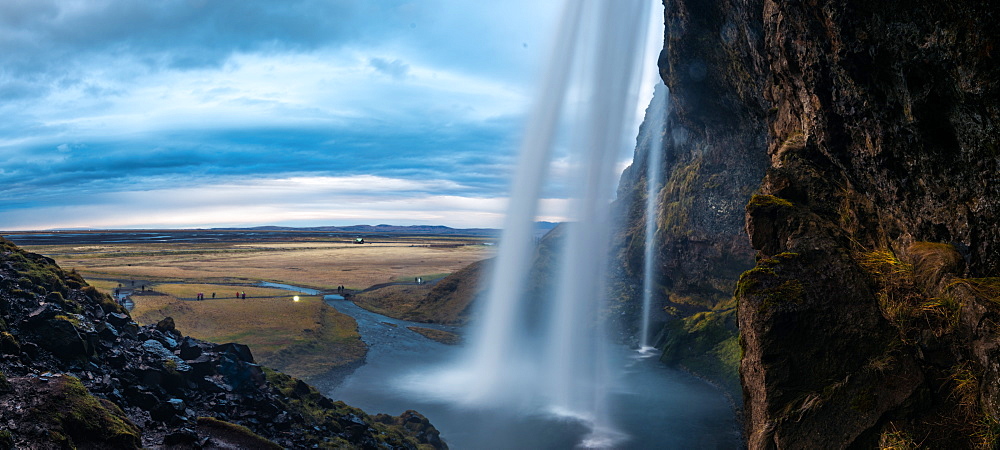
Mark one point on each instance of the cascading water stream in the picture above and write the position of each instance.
(553, 356)
(656, 120)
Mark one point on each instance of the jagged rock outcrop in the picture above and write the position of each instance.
(78, 372)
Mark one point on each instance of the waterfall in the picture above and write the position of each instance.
(655, 121)
(552, 356)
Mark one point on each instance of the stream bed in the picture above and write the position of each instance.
(657, 407)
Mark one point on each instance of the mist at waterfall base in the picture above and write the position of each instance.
(540, 372)
(654, 406)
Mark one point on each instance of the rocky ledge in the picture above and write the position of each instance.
(78, 372)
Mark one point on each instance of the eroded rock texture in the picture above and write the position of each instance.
(862, 138)
(869, 319)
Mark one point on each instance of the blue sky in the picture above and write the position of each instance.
(211, 113)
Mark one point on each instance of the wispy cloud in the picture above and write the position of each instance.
(303, 201)
(395, 68)
(132, 113)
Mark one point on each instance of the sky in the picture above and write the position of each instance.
(233, 113)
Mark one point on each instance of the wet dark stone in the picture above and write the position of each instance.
(202, 366)
(189, 349)
(240, 351)
(59, 337)
(184, 436)
(141, 398)
(166, 325)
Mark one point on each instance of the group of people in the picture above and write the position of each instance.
(239, 295)
(341, 289)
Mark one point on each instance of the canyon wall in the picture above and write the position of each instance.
(862, 139)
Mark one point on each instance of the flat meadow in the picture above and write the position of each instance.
(305, 338)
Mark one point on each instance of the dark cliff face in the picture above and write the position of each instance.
(869, 319)
(77, 372)
(867, 134)
(869, 316)
(714, 155)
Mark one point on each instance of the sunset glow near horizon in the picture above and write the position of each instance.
(193, 113)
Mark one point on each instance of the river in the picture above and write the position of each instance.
(656, 408)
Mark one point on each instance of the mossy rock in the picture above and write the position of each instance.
(77, 418)
(9, 344)
(707, 344)
(766, 283)
(760, 201)
(232, 434)
(318, 412)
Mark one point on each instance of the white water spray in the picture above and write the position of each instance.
(655, 120)
(553, 356)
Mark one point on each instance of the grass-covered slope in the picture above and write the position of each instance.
(446, 301)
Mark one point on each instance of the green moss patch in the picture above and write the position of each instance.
(760, 201)
(75, 417)
(766, 283)
(678, 196)
(707, 344)
(237, 436)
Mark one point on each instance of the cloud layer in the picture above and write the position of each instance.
(122, 113)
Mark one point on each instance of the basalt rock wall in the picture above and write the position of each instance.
(862, 139)
(868, 318)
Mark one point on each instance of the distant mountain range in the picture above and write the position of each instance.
(540, 228)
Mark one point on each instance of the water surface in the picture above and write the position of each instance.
(654, 407)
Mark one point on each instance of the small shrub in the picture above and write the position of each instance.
(987, 434)
(895, 439)
(932, 262)
(964, 386)
(983, 288)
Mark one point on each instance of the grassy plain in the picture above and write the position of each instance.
(304, 338)
(322, 265)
